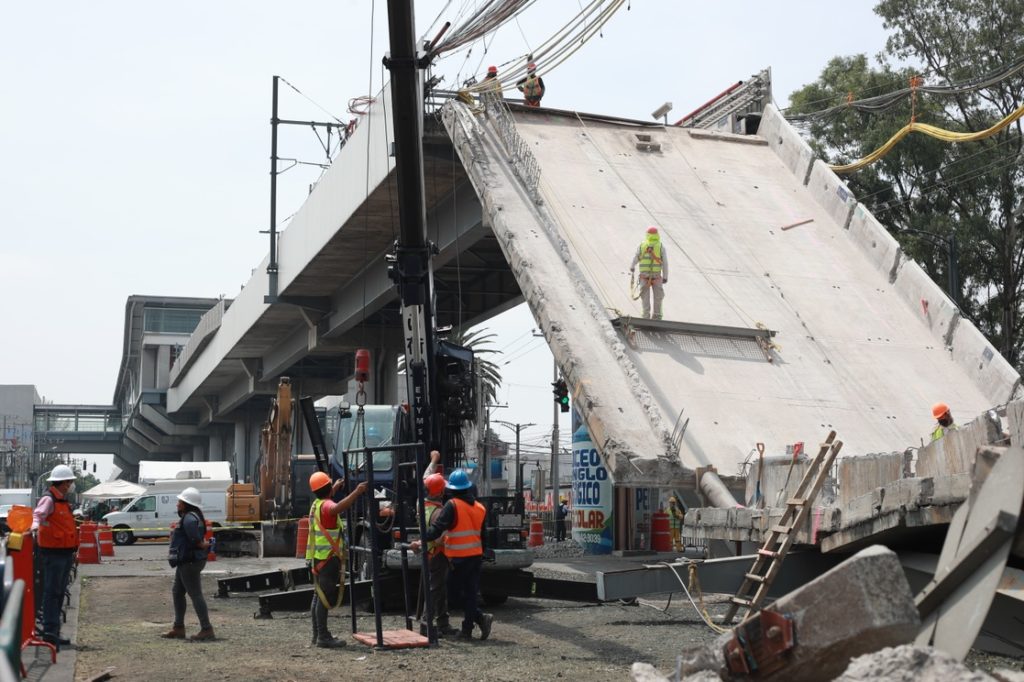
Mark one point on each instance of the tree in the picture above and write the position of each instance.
(969, 190)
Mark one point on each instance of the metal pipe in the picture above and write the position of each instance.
(350, 521)
(428, 605)
(716, 492)
(372, 513)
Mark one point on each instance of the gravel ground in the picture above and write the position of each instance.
(121, 617)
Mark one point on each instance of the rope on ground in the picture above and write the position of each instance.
(695, 584)
(931, 131)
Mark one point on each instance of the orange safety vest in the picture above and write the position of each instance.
(464, 539)
(532, 89)
(57, 531)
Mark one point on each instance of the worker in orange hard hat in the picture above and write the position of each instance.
(650, 256)
(490, 85)
(945, 420)
(325, 553)
(532, 86)
(434, 485)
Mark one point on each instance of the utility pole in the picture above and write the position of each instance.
(555, 488)
(517, 428)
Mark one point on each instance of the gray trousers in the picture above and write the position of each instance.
(188, 580)
(439, 588)
(651, 285)
(329, 584)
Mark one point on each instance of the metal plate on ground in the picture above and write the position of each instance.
(954, 625)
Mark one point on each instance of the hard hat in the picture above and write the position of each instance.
(318, 480)
(652, 230)
(562, 498)
(939, 409)
(434, 483)
(61, 472)
(77, 512)
(459, 481)
(191, 496)
(492, 70)
(531, 67)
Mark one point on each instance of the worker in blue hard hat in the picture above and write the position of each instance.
(462, 521)
(652, 260)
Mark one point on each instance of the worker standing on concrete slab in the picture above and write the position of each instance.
(675, 518)
(532, 86)
(325, 553)
(653, 262)
(945, 420)
(490, 85)
(462, 522)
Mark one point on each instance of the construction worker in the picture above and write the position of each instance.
(434, 484)
(325, 553)
(189, 549)
(490, 84)
(653, 262)
(561, 512)
(945, 420)
(462, 522)
(57, 537)
(532, 86)
(675, 518)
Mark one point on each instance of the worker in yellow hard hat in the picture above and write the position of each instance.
(675, 518)
(325, 552)
(945, 421)
(652, 260)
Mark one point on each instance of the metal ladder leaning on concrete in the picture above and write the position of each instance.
(780, 537)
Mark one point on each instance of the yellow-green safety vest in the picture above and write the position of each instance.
(433, 546)
(532, 89)
(650, 257)
(941, 431)
(319, 547)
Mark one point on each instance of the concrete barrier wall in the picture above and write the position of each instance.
(777, 477)
(928, 301)
(996, 377)
(860, 475)
(878, 245)
(786, 142)
(954, 453)
(831, 193)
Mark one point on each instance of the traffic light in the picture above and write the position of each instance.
(561, 392)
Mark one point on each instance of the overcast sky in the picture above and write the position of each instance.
(135, 142)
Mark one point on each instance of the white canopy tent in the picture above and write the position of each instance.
(112, 490)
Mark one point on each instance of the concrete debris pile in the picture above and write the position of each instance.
(566, 549)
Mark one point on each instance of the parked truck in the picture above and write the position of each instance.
(151, 514)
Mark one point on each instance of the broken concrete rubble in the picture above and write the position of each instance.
(860, 606)
(908, 664)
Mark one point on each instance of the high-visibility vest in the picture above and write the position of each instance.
(464, 539)
(532, 88)
(322, 545)
(433, 546)
(650, 258)
(941, 431)
(57, 531)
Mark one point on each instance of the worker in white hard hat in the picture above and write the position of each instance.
(57, 536)
(652, 260)
(187, 555)
(532, 86)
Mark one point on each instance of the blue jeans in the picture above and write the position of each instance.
(56, 572)
(466, 577)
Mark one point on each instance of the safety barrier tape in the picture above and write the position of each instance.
(244, 525)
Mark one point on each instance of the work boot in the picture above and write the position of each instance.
(465, 635)
(330, 643)
(203, 635)
(484, 621)
(176, 632)
(445, 629)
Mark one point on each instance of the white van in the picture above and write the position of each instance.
(151, 514)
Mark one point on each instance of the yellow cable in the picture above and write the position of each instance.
(932, 131)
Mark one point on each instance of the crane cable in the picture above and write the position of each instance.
(931, 131)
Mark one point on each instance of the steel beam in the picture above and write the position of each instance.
(692, 328)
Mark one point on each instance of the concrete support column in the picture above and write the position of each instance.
(216, 447)
(163, 367)
(198, 453)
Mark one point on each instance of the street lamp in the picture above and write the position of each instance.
(949, 245)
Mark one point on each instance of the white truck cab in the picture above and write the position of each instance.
(151, 514)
